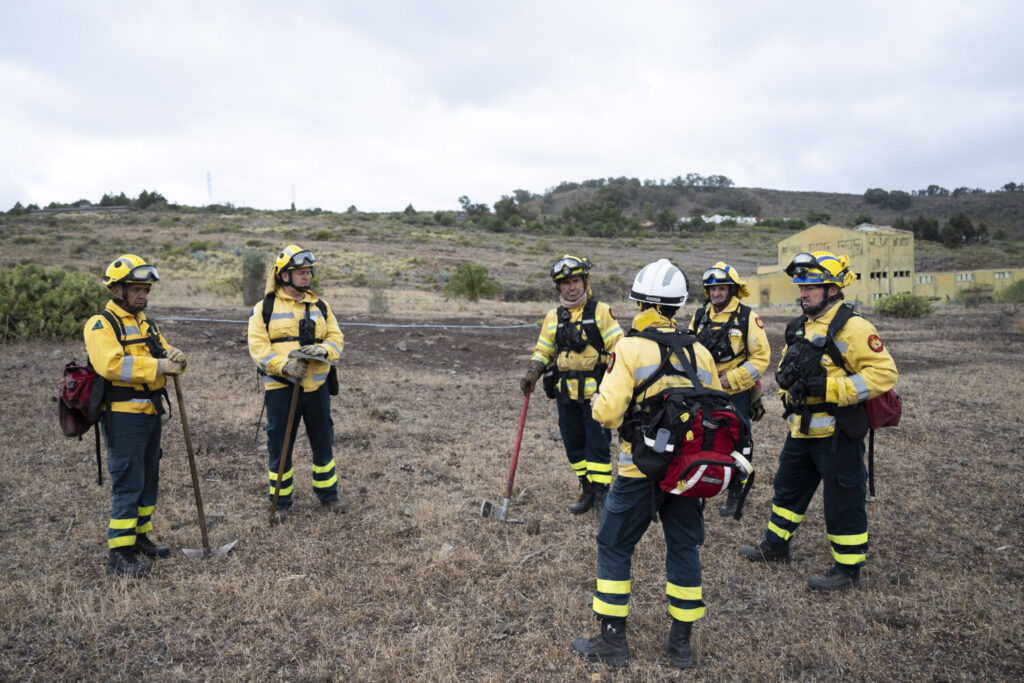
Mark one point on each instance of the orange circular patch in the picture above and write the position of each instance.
(611, 361)
(612, 313)
(875, 343)
(757, 320)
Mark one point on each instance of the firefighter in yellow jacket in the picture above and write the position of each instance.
(294, 339)
(128, 351)
(660, 289)
(577, 337)
(735, 336)
(833, 362)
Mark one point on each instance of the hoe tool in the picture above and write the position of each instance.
(284, 447)
(207, 551)
(500, 512)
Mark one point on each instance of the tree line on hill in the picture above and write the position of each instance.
(614, 207)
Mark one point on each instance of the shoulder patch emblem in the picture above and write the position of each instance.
(611, 361)
(757, 319)
(98, 325)
(612, 313)
(875, 343)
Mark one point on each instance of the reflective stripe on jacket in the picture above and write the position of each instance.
(747, 367)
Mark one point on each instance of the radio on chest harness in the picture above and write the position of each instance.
(715, 337)
(575, 337)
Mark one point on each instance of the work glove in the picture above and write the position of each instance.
(816, 385)
(295, 367)
(314, 350)
(533, 373)
(176, 355)
(166, 366)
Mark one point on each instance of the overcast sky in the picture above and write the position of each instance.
(380, 104)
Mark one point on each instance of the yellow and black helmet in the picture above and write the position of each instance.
(291, 257)
(723, 274)
(567, 266)
(129, 268)
(820, 268)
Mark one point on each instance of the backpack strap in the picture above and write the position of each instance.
(840, 319)
(679, 343)
(268, 311)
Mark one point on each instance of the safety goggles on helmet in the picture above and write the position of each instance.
(567, 266)
(142, 274)
(716, 276)
(302, 259)
(804, 260)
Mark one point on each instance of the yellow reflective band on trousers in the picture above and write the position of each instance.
(123, 523)
(286, 482)
(580, 468)
(599, 472)
(851, 559)
(780, 532)
(684, 592)
(320, 471)
(686, 614)
(144, 528)
(121, 541)
(613, 587)
(786, 514)
(148, 510)
(849, 539)
(606, 609)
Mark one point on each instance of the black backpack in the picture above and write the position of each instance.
(691, 441)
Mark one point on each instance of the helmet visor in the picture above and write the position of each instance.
(142, 274)
(302, 259)
(716, 276)
(566, 267)
(802, 259)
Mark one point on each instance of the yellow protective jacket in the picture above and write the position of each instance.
(634, 360)
(874, 371)
(125, 366)
(751, 356)
(546, 351)
(284, 322)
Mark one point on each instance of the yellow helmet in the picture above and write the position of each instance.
(723, 274)
(567, 266)
(129, 268)
(291, 257)
(820, 268)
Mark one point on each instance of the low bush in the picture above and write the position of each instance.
(904, 305)
(470, 281)
(41, 304)
(1014, 294)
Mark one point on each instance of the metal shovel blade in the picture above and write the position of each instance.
(499, 513)
(206, 553)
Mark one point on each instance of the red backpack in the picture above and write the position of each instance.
(690, 440)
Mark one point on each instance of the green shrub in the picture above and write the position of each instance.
(1014, 294)
(904, 305)
(470, 281)
(254, 276)
(47, 304)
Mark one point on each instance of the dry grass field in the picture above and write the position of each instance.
(413, 584)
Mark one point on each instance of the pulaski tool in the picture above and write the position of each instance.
(500, 512)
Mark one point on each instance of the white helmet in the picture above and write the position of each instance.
(661, 283)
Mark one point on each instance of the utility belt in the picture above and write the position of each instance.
(852, 420)
(562, 377)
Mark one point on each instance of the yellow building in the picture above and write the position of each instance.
(882, 258)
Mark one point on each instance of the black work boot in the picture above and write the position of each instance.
(600, 491)
(766, 552)
(150, 549)
(586, 499)
(732, 501)
(123, 562)
(677, 644)
(835, 579)
(609, 646)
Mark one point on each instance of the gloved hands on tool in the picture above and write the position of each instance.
(166, 366)
(533, 373)
(176, 354)
(295, 367)
(314, 350)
